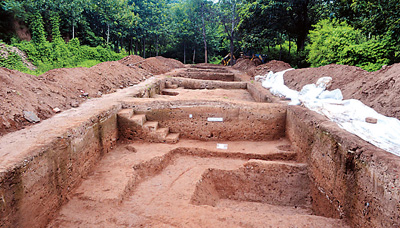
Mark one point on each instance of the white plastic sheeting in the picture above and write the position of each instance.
(348, 114)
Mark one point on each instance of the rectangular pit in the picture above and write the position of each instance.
(347, 177)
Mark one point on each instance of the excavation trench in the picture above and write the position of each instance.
(184, 152)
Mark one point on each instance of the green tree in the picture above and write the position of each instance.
(340, 43)
(229, 14)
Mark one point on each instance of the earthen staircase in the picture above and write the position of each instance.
(152, 129)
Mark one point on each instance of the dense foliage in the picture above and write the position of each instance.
(68, 33)
(334, 42)
(56, 54)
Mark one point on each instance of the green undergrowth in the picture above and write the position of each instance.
(335, 42)
(46, 55)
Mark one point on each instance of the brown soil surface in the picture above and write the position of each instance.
(66, 88)
(379, 90)
(253, 68)
(157, 192)
(244, 65)
(154, 65)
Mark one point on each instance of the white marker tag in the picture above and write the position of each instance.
(215, 119)
(190, 116)
(222, 146)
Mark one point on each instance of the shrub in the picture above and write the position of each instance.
(13, 61)
(56, 54)
(335, 42)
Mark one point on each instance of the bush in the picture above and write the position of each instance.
(13, 61)
(334, 42)
(56, 54)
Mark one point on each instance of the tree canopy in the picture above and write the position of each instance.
(204, 31)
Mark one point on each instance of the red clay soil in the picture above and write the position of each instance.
(379, 90)
(66, 88)
(253, 68)
(244, 65)
(154, 65)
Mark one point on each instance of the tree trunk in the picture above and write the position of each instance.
(130, 46)
(204, 33)
(301, 39)
(232, 31)
(144, 47)
(231, 63)
(184, 53)
(137, 47)
(108, 33)
(194, 55)
(157, 45)
(73, 30)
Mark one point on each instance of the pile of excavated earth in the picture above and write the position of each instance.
(378, 90)
(156, 143)
(62, 89)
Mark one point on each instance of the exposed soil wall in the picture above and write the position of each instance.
(195, 73)
(350, 178)
(32, 192)
(205, 84)
(240, 122)
(272, 182)
(260, 94)
(41, 166)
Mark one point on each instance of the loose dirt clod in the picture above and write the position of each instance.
(371, 120)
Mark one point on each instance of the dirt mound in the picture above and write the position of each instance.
(154, 65)
(379, 90)
(273, 65)
(66, 88)
(244, 65)
(170, 63)
(253, 68)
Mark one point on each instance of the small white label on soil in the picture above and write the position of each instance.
(190, 116)
(215, 119)
(222, 146)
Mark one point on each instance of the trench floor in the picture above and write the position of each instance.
(150, 185)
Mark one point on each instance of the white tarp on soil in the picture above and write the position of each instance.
(348, 114)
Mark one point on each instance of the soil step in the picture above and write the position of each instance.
(169, 85)
(139, 119)
(284, 165)
(149, 129)
(127, 113)
(150, 126)
(174, 86)
(162, 133)
(169, 92)
(172, 138)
